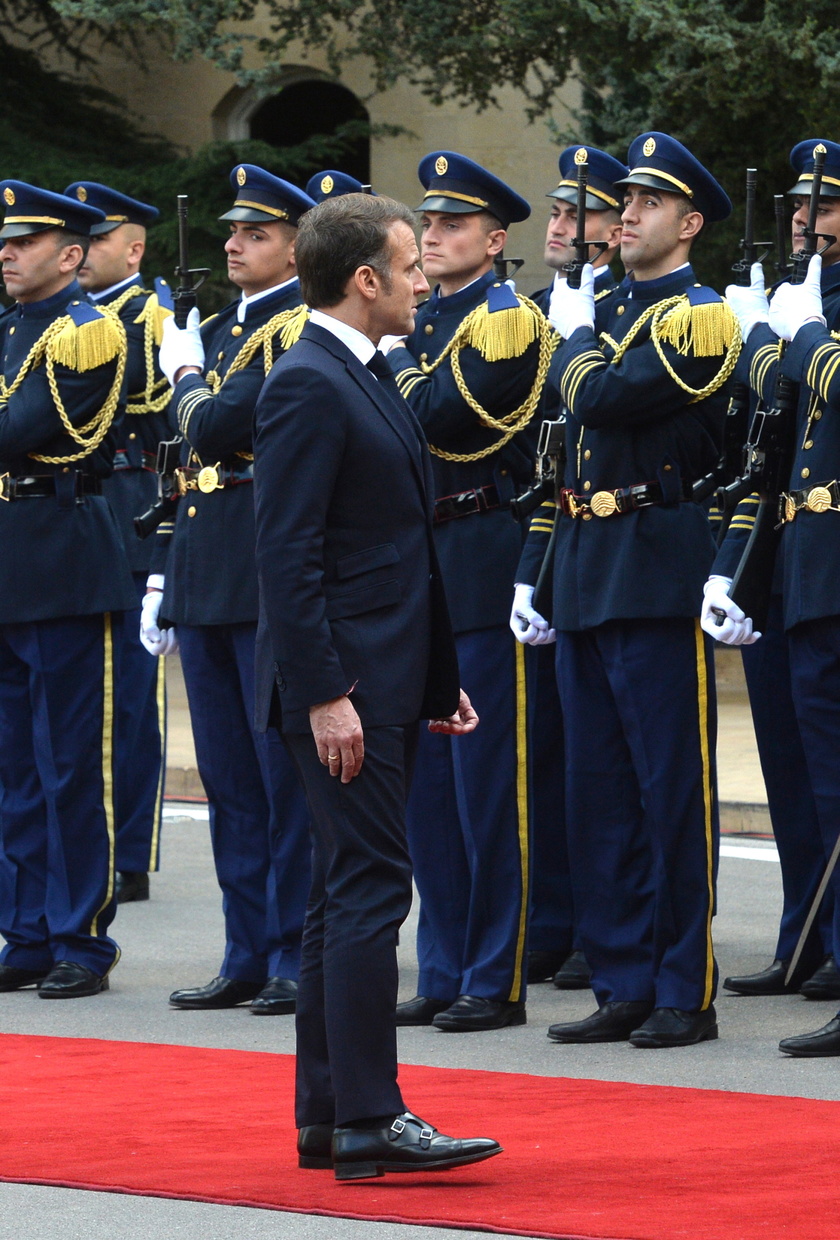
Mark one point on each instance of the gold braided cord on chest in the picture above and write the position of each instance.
(89, 436)
(156, 394)
(518, 418)
(655, 315)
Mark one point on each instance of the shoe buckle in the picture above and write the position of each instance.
(397, 1127)
(426, 1135)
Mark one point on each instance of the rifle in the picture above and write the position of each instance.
(185, 294)
(771, 448)
(782, 264)
(501, 264)
(168, 456)
(574, 269)
(551, 461)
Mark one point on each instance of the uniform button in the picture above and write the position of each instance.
(236, 331)
(191, 511)
(667, 468)
(132, 435)
(587, 455)
(816, 416)
(219, 358)
(619, 309)
(11, 331)
(809, 443)
(424, 357)
(806, 473)
(66, 469)
(587, 485)
(428, 329)
(587, 516)
(503, 473)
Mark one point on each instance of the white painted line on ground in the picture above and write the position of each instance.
(746, 852)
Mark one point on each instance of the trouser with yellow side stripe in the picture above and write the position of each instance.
(468, 832)
(642, 819)
(57, 831)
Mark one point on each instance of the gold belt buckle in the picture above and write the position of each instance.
(5, 492)
(184, 484)
(208, 479)
(819, 499)
(603, 503)
(574, 506)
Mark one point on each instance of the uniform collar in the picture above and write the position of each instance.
(107, 294)
(456, 301)
(48, 307)
(244, 304)
(648, 290)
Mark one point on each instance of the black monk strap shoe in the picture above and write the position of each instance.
(407, 1144)
(613, 1022)
(674, 1027)
(12, 978)
(68, 980)
(574, 973)
(543, 965)
(471, 1014)
(222, 992)
(278, 997)
(314, 1147)
(419, 1010)
(131, 885)
(770, 981)
(825, 983)
(822, 1042)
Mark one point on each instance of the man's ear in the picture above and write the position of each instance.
(496, 241)
(690, 225)
(70, 258)
(367, 282)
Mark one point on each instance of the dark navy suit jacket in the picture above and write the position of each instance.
(351, 599)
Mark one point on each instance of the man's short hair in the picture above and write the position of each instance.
(339, 236)
(65, 236)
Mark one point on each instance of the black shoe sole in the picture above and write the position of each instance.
(74, 994)
(371, 1170)
(518, 1018)
(275, 1007)
(652, 1043)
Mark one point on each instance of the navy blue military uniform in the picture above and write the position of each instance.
(258, 817)
(64, 576)
(140, 723)
(645, 398)
(468, 810)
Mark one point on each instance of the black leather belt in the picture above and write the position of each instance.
(209, 478)
(824, 497)
(614, 503)
(37, 486)
(148, 461)
(482, 499)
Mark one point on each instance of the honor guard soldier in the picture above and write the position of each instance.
(473, 372)
(111, 276)
(259, 823)
(804, 836)
(550, 925)
(64, 575)
(644, 385)
(805, 314)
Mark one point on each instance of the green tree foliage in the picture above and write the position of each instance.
(739, 81)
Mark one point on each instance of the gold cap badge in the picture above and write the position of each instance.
(819, 149)
(327, 185)
(649, 147)
(581, 155)
(441, 165)
(241, 176)
(81, 194)
(9, 196)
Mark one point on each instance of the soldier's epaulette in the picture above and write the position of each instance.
(86, 337)
(701, 323)
(503, 326)
(292, 323)
(157, 309)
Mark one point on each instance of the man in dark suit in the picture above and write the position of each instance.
(354, 648)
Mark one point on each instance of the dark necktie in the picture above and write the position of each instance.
(378, 365)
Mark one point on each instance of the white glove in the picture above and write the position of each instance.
(736, 628)
(181, 346)
(528, 626)
(156, 640)
(570, 308)
(796, 304)
(749, 304)
(387, 343)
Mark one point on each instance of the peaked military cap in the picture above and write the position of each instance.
(118, 208)
(333, 184)
(802, 162)
(603, 172)
(33, 210)
(262, 198)
(458, 185)
(663, 163)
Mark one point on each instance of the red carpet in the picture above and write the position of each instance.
(582, 1158)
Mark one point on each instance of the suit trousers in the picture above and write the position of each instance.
(361, 895)
(57, 831)
(258, 818)
(639, 707)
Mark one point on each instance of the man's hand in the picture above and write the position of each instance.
(464, 720)
(156, 640)
(338, 735)
(721, 618)
(571, 308)
(793, 305)
(527, 625)
(181, 349)
(750, 305)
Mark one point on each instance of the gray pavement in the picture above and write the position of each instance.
(176, 938)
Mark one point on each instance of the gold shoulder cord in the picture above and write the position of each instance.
(156, 395)
(49, 350)
(519, 418)
(288, 324)
(656, 315)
